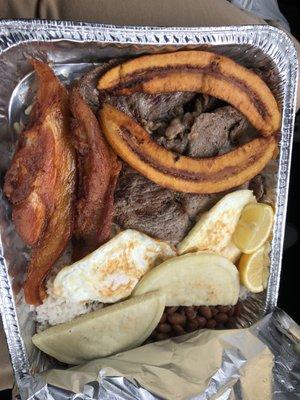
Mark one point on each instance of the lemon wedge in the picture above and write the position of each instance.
(254, 269)
(254, 227)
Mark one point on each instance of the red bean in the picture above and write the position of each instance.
(214, 311)
(163, 318)
(238, 309)
(161, 336)
(192, 325)
(211, 323)
(171, 310)
(164, 328)
(178, 329)
(223, 309)
(205, 312)
(231, 312)
(181, 311)
(176, 319)
(201, 322)
(190, 313)
(231, 324)
(221, 318)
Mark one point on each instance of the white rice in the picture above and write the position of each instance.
(18, 127)
(28, 109)
(56, 311)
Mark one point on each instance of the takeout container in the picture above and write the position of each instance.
(73, 48)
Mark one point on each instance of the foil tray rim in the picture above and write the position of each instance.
(16, 31)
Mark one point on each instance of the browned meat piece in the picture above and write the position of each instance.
(98, 170)
(141, 204)
(178, 144)
(145, 107)
(40, 182)
(87, 84)
(30, 218)
(216, 132)
(161, 213)
(195, 204)
(174, 135)
(177, 127)
(32, 162)
(205, 103)
(269, 176)
(257, 185)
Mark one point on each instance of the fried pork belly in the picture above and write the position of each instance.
(98, 170)
(40, 182)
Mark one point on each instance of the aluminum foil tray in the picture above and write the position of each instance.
(72, 48)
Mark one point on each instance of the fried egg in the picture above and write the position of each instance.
(111, 272)
(213, 232)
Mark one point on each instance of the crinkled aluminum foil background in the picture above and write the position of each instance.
(276, 330)
(74, 47)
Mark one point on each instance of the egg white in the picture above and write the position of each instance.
(111, 272)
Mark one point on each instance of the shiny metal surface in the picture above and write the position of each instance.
(73, 48)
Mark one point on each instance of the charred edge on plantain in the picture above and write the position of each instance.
(135, 80)
(183, 174)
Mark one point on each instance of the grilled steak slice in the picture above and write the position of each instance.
(269, 178)
(257, 185)
(206, 134)
(161, 213)
(141, 204)
(144, 107)
(216, 132)
(196, 204)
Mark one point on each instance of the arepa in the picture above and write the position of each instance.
(100, 333)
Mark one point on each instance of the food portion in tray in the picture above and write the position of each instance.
(159, 173)
(41, 181)
(190, 71)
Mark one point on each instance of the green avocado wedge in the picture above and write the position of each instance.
(107, 331)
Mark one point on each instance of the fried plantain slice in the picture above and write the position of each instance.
(198, 71)
(98, 170)
(40, 182)
(180, 173)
